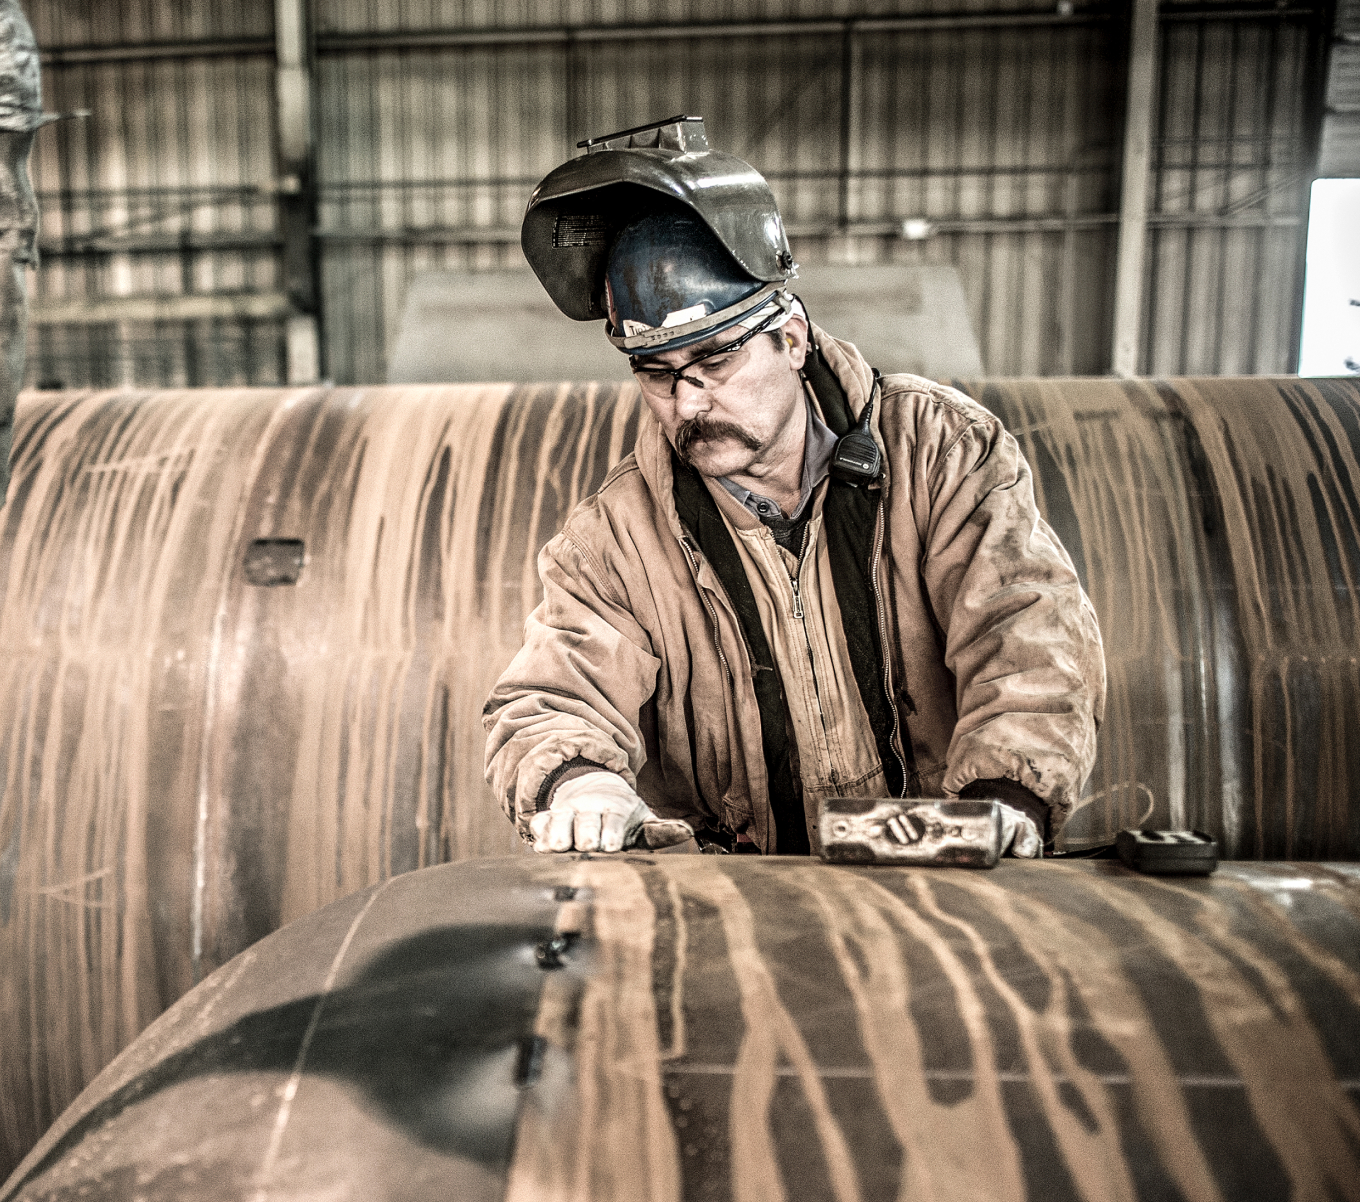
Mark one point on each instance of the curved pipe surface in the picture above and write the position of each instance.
(196, 751)
(701, 1026)
(1216, 526)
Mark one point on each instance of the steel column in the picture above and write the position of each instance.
(847, 139)
(21, 117)
(297, 188)
(1133, 203)
(1322, 35)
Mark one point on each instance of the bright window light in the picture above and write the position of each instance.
(1331, 288)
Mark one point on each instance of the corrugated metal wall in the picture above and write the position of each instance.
(164, 190)
(1233, 156)
(1000, 128)
(1340, 152)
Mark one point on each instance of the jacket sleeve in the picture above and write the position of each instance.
(575, 689)
(1021, 637)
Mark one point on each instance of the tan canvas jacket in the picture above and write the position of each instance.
(635, 658)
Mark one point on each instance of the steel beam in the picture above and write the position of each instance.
(72, 56)
(1038, 224)
(848, 140)
(259, 306)
(364, 42)
(159, 244)
(1133, 204)
(297, 188)
(348, 43)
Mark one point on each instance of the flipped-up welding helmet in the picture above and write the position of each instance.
(680, 240)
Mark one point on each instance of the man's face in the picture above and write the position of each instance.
(749, 409)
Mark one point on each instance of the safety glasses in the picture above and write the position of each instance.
(711, 368)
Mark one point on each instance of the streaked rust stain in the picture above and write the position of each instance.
(939, 1143)
(770, 1036)
(1271, 1040)
(605, 1020)
(1085, 931)
(1091, 1150)
(189, 761)
(1041, 1030)
(1079, 957)
(1216, 526)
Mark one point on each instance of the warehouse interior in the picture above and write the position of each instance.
(294, 420)
(238, 181)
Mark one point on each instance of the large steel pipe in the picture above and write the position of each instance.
(189, 760)
(195, 751)
(1215, 524)
(647, 1028)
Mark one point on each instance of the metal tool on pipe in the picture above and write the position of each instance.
(972, 834)
(887, 830)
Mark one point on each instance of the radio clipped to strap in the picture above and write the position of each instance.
(856, 459)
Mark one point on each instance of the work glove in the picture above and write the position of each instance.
(1019, 834)
(598, 811)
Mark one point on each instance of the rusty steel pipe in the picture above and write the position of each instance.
(189, 760)
(195, 751)
(1215, 524)
(667, 1027)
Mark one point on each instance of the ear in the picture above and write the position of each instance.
(795, 332)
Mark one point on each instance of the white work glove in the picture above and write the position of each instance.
(1019, 835)
(598, 811)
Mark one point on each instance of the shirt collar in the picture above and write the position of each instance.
(818, 446)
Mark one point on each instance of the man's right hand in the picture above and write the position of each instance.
(1019, 834)
(600, 812)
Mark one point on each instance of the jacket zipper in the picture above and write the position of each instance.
(881, 606)
(796, 581)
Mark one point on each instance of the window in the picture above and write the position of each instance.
(1330, 345)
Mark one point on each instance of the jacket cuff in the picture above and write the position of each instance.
(1015, 795)
(566, 770)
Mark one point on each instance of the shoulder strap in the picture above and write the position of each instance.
(835, 405)
(699, 512)
(849, 516)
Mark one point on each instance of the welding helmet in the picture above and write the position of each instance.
(673, 230)
(669, 282)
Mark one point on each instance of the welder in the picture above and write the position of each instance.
(807, 580)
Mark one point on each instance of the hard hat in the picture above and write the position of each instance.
(722, 212)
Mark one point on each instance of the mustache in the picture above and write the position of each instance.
(700, 429)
